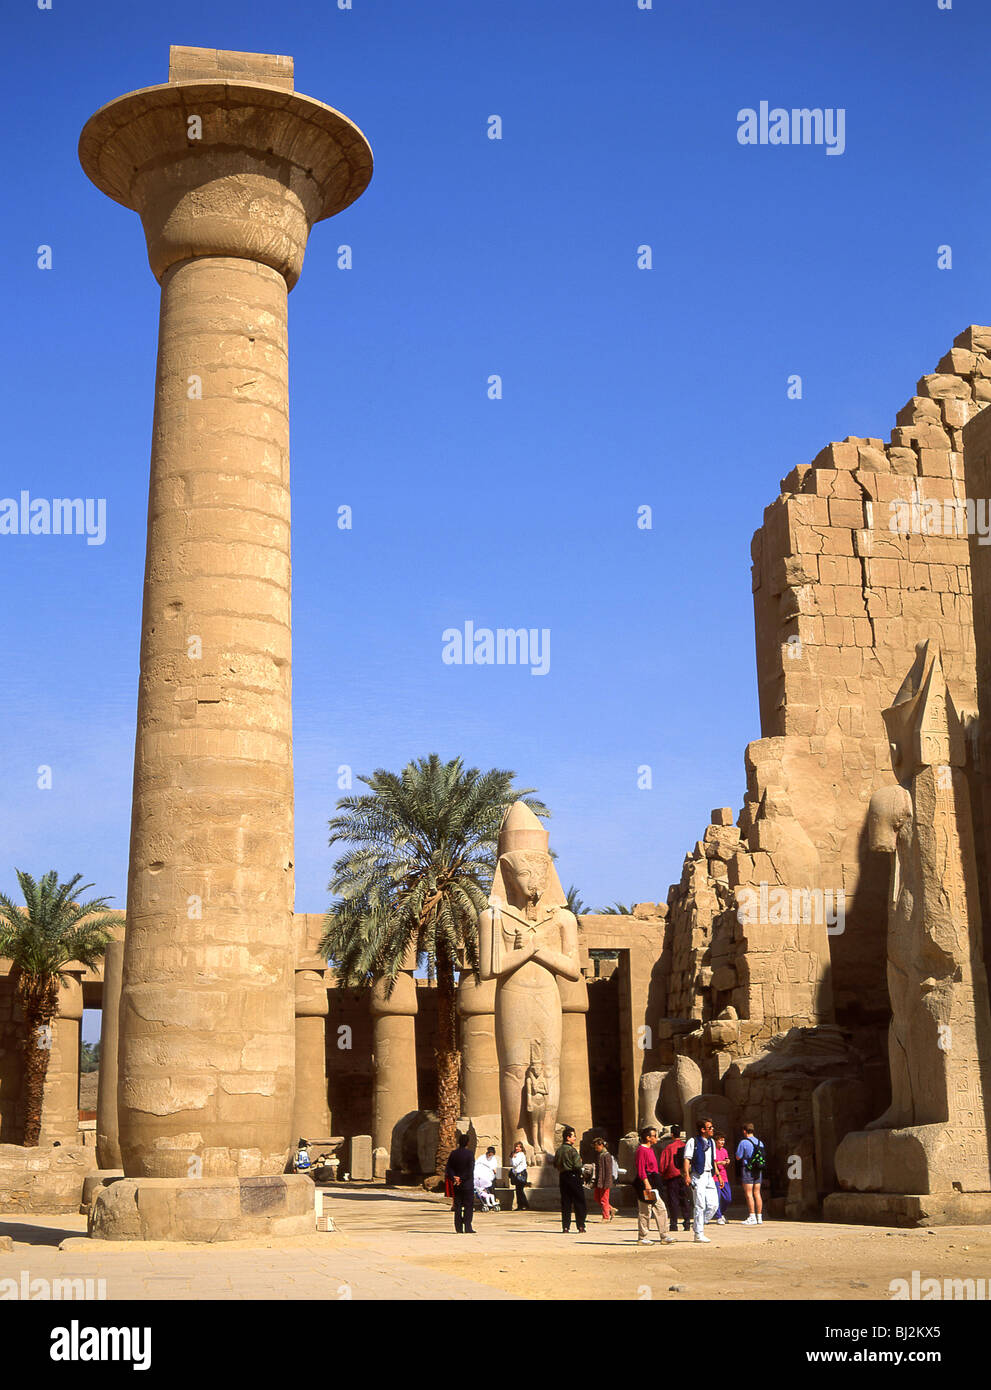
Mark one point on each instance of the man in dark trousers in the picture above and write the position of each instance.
(568, 1163)
(460, 1172)
(670, 1161)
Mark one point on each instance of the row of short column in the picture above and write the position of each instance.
(394, 1054)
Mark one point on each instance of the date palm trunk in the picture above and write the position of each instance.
(448, 1064)
(40, 1007)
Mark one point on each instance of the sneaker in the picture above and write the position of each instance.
(667, 1240)
(645, 1241)
(750, 1221)
(703, 1240)
(720, 1221)
(760, 1220)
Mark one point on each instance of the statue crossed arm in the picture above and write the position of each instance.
(528, 938)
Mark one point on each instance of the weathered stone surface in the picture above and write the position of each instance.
(719, 1108)
(43, 1179)
(361, 1158)
(896, 1209)
(394, 1048)
(92, 1184)
(203, 1210)
(933, 1136)
(427, 1131)
(380, 1162)
(648, 1097)
(107, 1134)
(838, 1108)
(680, 1085)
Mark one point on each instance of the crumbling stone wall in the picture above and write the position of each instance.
(840, 601)
(863, 555)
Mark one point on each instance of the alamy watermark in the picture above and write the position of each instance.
(61, 516)
(773, 905)
(27, 1289)
(945, 1288)
(777, 125)
(501, 646)
(940, 516)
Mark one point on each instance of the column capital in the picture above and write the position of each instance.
(228, 166)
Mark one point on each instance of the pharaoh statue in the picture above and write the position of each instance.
(527, 939)
(933, 1136)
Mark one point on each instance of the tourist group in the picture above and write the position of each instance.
(681, 1179)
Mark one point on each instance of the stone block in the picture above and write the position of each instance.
(940, 384)
(203, 1210)
(682, 1082)
(917, 409)
(44, 1179)
(361, 1158)
(380, 1162)
(92, 1184)
(839, 1107)
(908, 1210)
(426, 1142)
(719, 1108)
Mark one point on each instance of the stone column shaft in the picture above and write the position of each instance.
(107, 1131)
(229, 168)
(311, 1114)
(479, 1057)
(575, 1107)
(207, 1013)
(394, 1049)
(60, 1103)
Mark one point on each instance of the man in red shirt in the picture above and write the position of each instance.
(650, 1208)
(675, 1192)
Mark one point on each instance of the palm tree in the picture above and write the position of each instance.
(574, 901)
(40, 939)
(617, 910)
(417, 873)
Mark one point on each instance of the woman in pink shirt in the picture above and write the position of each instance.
(722, 1178)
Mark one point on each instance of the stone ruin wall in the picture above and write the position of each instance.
(840, 602)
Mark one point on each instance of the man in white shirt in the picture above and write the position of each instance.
(700, 1175)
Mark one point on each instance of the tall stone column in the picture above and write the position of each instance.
(229, 168)
(575, 1107)
(394, 1050)
(107, 1131)
(311, 1115)
(60, 1102)
(479, 1058)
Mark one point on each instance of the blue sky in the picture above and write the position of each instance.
(621, 387)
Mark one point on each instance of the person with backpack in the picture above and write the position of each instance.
(699, 1172)
(674, 1190)
(753, 1160)
(606, 1173)
(650, 1208)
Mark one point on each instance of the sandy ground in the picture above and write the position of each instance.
(394, 1245)
(527, 1254)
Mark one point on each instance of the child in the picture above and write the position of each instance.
(722, 1178)
(485, 1173)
